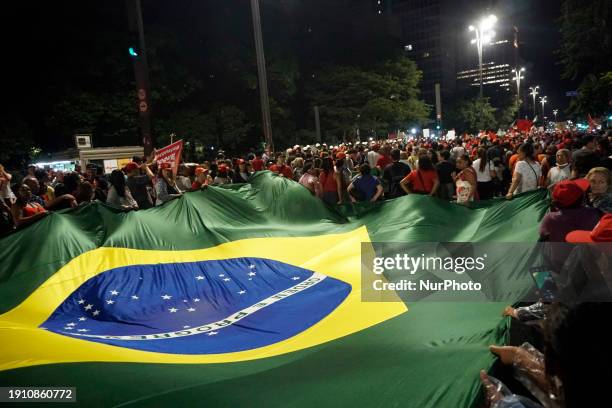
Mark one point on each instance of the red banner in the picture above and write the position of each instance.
(524, 125)
(170, 154)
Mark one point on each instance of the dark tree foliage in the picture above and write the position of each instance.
(585, 53)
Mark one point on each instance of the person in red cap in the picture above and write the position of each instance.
(165, 187)
(257, 163)
(567, 198)
(587, 268)
(202, 179)
(222, 176)
(602, 232)
(281, 168)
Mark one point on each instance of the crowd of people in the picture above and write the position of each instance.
(465, 169)
(574, 166)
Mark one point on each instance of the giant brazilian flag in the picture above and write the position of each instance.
(245, 295)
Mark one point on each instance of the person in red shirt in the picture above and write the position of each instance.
(384, 160)
(257, 164)
(423, 180)
(202, 179)
(331, 182)
(281, 168)
(25, 212)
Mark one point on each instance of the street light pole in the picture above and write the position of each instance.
(534, 93)
(555, 111)
(484, 34)
(261, 73)
(517, 77)
(543, 100)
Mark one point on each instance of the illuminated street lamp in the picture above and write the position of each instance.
(484, 35)
(534, 93)
(518, 75)
(543, 100)
(555, 111)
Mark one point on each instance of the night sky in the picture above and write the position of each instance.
(539, 37)
(44, 41)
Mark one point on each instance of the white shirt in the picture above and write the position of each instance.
(530, 175)
(557, 174)
(373, 158)
(483, 176)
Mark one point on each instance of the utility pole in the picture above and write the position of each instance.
(261, 73)
(138, 54)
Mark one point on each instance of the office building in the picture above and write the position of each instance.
(429, 33)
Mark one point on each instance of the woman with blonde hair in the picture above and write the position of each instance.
(600, 189)
(297, 165)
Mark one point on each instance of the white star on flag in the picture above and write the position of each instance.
(227, 279)
(196, 300)
(114, 293)
(166, 297)
(110, 302)
(295, 278)
(88, 307)
(199, 277)
(251, 266)
(221, 275)
(68, 328)
(252, 274)
(82, 319)
(81, 301)
(135, 297)
(191, 309)
(173, 310)
(186, 327)
(242, 292)
(71, 324)
(212, 333)
(95, 312)
(184, 300)
(83, 330)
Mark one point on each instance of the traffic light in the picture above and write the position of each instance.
(132, 52)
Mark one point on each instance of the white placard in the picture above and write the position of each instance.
(110, 165)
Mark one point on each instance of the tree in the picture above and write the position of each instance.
(383, 98)
(508, 114)
(17, 144)
(472, 115)
(594, 95)
(585, 52)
